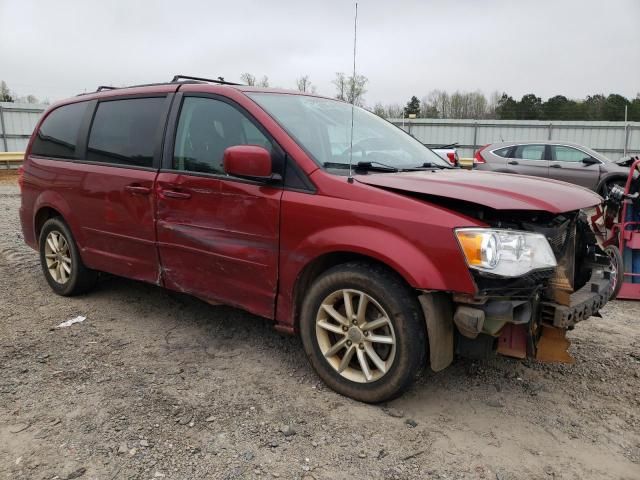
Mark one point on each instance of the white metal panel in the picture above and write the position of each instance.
(605, 137)
(15, 144)
(19, 121)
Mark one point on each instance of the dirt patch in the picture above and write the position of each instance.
(158, 385)
(8, 176)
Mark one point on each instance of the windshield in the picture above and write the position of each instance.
(322, 127)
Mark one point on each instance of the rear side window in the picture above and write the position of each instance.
(125, 131)
(58, 134)
(530, 152)
(502, 152)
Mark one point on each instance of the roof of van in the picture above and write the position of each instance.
(170, 87)
(103, 91)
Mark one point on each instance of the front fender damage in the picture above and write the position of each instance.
(528, 316)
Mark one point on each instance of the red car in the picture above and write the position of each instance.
(370, 246)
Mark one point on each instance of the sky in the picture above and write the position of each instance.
(56, 49)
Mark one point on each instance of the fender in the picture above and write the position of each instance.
(441, 269)
(393, 250)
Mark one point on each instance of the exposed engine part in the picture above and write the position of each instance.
(491, 316)
(513, 341)
(469, 321)
(553, 346)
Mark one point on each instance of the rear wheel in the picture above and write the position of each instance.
(363, 331)
(61, 262)
(617, 270)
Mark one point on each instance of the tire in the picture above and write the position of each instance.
(398, 316)
(61, 262)
(617, 270)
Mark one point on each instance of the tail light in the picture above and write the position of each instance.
(478, 158)
(452, 157)
(20, 177)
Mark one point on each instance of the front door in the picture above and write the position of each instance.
(567, 164)
(529, 159)
(217, 234)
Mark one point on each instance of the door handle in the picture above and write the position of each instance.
(175, 194)
(555, 165)
(138, 189)
(512, 162)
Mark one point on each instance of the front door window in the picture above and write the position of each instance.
(206, 128)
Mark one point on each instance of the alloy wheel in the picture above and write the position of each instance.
(58, 257)
(355, 335)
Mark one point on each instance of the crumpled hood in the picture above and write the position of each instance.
(500, 191)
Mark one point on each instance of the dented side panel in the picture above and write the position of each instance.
(221, 244)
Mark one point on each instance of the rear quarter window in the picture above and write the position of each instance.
(125, 131)
(58, 134)
(530, 152)
(502, 152)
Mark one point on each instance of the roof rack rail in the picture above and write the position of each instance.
(105, 87)
(220, 80)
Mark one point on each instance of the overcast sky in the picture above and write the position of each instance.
(55, 49)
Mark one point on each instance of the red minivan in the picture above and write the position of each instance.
(320, 216)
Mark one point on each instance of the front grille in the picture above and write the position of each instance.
(562, 240)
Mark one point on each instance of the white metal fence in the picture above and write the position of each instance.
(17, 121)
(613, 139)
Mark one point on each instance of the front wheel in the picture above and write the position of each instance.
(616, 266)
(363, 331)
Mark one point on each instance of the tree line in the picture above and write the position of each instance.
(459, 104)
(6, 95)
(474, 105)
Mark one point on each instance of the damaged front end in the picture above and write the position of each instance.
(527, 316)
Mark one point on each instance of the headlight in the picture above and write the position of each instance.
(508, 253)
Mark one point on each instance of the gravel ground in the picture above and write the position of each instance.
(159, 385)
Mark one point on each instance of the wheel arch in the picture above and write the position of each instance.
(50, 204)
(320, 264)
(43, 214)
(612, 177)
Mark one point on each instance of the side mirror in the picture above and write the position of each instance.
(589, 161)
(247, 161)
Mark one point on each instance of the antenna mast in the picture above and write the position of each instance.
(353, 91)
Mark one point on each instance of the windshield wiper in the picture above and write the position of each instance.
(433, 165)
(382, 167)
(376, 166)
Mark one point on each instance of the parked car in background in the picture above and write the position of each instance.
(448, 152)
(564, 161)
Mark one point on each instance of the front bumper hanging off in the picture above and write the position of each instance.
(527, 316)
(582, 304)
(533, 327)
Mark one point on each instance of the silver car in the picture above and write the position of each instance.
(564, 161)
